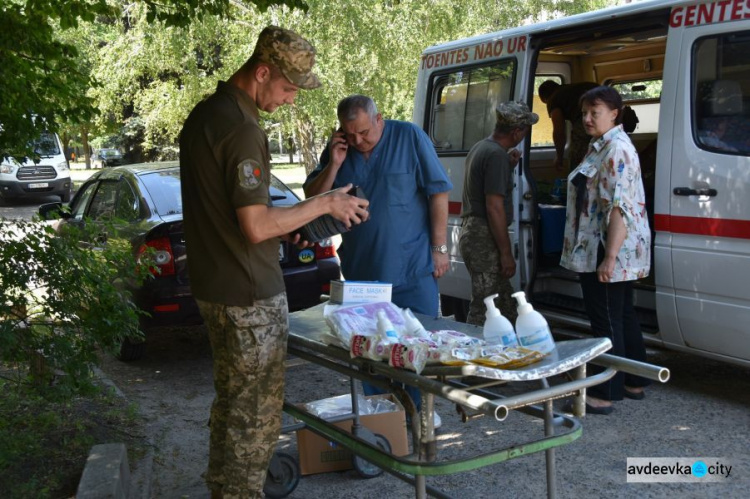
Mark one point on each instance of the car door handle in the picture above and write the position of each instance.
(687, 191)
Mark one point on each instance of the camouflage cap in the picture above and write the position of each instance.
(515, 114)
(290, 53)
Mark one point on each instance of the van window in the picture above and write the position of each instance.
(541, 133)
(721, 93)
(463, 104)
(643, 98)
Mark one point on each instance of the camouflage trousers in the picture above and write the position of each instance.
(249, 350)
(482, 259)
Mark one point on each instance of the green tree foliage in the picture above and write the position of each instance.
(152, 75)
(61, 303)
(44, 82)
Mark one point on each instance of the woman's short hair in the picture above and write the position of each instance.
(607, 96)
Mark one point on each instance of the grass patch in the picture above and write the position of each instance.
(44, 445)
(284, 166)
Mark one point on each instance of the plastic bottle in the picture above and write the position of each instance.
(386, 331)
(412, 325)
(532, 329)
(497, 329)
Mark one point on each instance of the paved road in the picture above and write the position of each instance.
(25, 209)
(701, 412)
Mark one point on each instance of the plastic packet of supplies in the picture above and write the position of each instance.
(346, 321)
(369, 347)
(412, 357)
(342, 405)
(509, 358)
(455, 338)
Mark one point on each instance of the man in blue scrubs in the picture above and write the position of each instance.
(404, 241)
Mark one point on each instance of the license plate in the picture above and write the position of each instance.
(42, 185)
(281, 252)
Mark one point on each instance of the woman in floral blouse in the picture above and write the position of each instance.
(608, 239)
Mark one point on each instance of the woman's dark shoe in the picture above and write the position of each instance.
(590, 409)
(635, 395)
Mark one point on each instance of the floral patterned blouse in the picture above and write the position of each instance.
(613, 179)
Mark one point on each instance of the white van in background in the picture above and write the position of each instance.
(50, 176)
(684, 67)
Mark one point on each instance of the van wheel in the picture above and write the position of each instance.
(65, 198)
(131, 350)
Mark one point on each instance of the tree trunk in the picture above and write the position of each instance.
(308, 156)
(86, 148)
(290, 147)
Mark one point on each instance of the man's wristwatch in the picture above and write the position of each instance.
(440, 249)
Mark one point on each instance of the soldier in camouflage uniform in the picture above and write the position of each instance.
(487, 211)
(232, 234)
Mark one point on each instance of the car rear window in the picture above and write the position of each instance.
(164, 188)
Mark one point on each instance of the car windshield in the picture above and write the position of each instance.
(109, 152)
(46, 145)
(164, 188)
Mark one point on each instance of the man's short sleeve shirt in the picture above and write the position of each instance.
(487, 171)
(225, 165)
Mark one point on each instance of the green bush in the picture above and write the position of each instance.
(62, 301)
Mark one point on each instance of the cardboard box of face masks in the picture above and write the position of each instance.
(318, 455)
(346, 292)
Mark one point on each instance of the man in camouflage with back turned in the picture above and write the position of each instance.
(232, 234)
(487, 211)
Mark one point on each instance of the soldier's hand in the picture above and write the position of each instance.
(515, 156)
(507, 266)
(349, 209)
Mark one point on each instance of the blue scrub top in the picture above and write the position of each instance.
(402, 171)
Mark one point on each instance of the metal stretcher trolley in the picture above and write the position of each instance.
(469, 388)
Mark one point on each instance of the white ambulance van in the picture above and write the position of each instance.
(684, 68)
(49, 177)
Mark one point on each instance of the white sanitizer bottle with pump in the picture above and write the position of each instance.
(532, 329)
(497, 329)
(386, 331)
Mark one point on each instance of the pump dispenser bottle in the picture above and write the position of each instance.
(386, 331)
(532, 329)
(497, 329)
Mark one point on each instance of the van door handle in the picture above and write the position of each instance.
(687, 191)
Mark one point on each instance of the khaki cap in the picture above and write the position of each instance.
(290, 53)
(515, 114)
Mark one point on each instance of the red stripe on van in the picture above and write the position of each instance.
(454, 208)
(703, 226)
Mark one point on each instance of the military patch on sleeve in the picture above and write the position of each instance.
(250, 174)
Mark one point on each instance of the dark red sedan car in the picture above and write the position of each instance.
(146, 200)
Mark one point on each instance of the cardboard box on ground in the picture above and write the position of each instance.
(318, 455)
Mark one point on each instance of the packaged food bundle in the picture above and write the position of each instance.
(435, 352)
(346, 321)
(509, 358)
(412, 357)
(369, 347)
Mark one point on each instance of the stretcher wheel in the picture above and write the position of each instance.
(365, 468)
(282, 476)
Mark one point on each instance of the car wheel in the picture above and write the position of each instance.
(131, 350)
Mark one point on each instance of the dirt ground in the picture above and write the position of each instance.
(701, 412)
